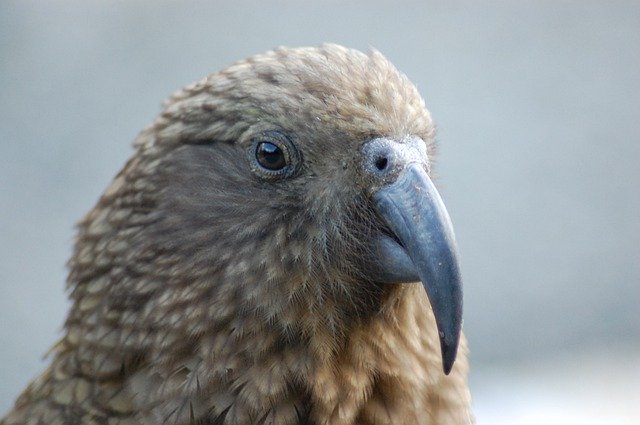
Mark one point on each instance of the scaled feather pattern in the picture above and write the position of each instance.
(208, 290)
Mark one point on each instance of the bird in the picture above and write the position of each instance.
(274, 252)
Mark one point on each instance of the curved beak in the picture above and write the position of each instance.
(413, 210)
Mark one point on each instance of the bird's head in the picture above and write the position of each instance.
(295, 186)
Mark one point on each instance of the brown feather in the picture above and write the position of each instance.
(202, 294)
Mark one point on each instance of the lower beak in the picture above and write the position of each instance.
(412, 208)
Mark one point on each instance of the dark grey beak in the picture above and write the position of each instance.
(413, 210)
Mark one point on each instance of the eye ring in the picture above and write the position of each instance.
(273, 155)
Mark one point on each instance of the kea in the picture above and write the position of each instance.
(274, 252)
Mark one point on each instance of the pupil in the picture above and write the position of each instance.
(270, 156)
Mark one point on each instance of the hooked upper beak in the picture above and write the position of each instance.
(413, 210)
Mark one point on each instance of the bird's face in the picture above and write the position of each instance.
(301, 178)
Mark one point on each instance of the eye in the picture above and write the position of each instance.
(272, 155)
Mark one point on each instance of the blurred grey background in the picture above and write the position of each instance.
(538, 109)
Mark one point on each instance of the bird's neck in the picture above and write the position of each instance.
(318, 357)
(383, 361)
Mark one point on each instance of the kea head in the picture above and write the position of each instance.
(291, 189)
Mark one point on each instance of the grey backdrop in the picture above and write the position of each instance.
(537, 105)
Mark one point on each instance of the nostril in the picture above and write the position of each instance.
(381, 163)
(381, 158)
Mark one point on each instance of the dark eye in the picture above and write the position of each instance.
(270, 156)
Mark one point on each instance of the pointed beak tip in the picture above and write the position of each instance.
(449, 353)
